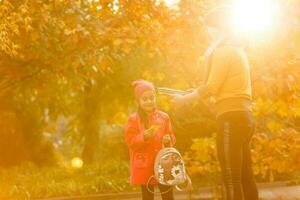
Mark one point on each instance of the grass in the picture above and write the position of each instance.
(29, 181)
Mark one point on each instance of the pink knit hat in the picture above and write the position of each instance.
(140, 86)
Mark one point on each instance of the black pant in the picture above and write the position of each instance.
(166, 192)
(235, 130)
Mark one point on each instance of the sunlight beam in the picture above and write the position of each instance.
(255, 16)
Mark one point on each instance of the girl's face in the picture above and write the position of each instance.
(147, 101)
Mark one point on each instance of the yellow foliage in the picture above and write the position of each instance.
(270, 156)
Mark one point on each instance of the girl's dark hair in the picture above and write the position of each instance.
(144, 117)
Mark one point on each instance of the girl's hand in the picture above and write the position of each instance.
(166, 139)
(150, 132)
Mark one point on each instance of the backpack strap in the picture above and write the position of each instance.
(148, 183)
(189, 185)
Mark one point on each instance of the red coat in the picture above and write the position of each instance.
(143, 153)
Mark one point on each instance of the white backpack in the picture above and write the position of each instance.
(169, 169)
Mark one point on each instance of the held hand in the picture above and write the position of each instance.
(150, 132)
(178, 101)
(187, 99)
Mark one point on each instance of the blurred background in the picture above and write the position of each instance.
(66, 69)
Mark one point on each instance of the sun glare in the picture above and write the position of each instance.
(77, 163)
(171, 4)
(253, 16)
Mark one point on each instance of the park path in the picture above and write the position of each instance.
(269, 191)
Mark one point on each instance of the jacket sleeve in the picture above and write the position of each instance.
(133, 137)
(169, 130)
(219, 70)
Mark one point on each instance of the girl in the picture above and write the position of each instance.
(147, 131)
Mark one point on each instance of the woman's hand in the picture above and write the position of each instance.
(166, 139)
(181, 100)
(191, 90)
(150, 132)
(178, 101)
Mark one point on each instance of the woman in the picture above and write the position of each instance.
(227, 79)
